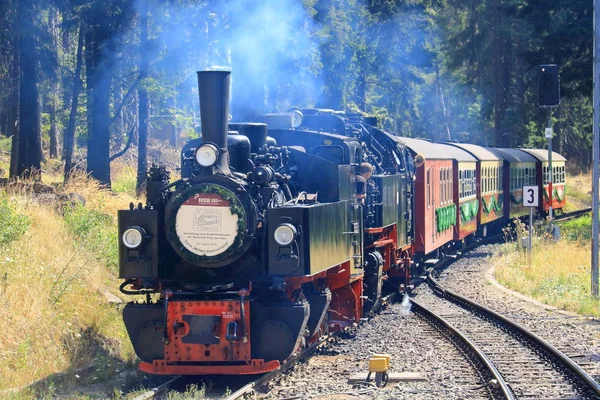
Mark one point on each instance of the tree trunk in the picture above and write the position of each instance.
(98, 94)
(361, 92)
(440, 92)
(53, 133)
(70, 132)
(53, 21)
(496, 70)
(143, 98)
(30, 151)
(14, 109)
(172, 124)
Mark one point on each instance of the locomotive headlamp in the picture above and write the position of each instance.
(285, 234)
(133, 237)
(207, 155)
(297, 116)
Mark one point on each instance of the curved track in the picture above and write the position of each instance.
(498, 388)
(531, 367)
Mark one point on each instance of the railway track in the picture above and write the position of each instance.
(530, 367)
(493, 382)
(573, 214)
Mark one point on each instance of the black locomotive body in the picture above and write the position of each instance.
(262, 245)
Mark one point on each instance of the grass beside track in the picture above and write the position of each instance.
(59, 295)
(560, 270)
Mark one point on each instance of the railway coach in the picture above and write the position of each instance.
(445, 197)
(555, 190)
(490, 193)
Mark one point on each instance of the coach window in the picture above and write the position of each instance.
(521, 177)
(468, 184)
(441, 186)
(450, 182)
(428, 189)
(445, 186)
(513, 178)
(446, 177)
(499, 179)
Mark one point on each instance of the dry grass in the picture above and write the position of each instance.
(55, 314)
(579, 191)
(560, 272)
(553, 279)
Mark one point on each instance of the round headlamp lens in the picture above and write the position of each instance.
(297, 117)
(207, 155)
(133, 237)
(285, 234)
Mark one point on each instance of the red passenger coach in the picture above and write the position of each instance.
(557, 188)
(438, 220)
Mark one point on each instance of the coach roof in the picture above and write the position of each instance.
(481, 153)
(435, 151)
(513, 155)
(542, 155)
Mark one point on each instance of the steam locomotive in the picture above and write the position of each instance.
(262, 246)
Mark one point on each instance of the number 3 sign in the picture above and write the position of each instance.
(531, 196)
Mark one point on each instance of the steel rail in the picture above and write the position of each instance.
(585, 378)
(489, 365)
(572, 214)
(262, 380)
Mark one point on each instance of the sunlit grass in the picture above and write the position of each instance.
(553, 278)
(53, 280)
(560, 272)
(579, 192)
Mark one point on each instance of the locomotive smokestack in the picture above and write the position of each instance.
(213, 88)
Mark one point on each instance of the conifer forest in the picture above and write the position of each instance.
(84, 81)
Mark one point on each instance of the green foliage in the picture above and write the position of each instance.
(97, 233)
(445, 217)
(468, 210)
(5, 144)
(124, 184)
(579, 229)
(13, 224)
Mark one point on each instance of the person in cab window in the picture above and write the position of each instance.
(365, 170)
